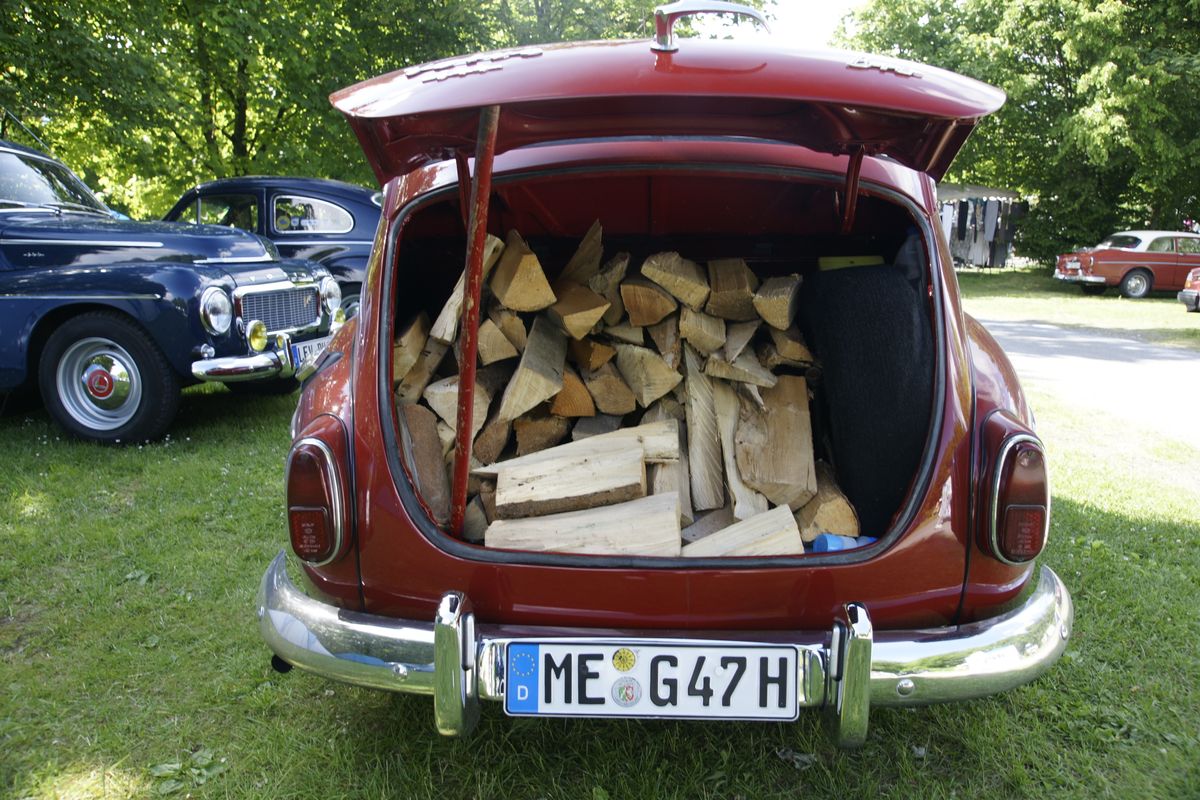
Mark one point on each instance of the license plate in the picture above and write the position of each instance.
(614, 679)
(307, 351)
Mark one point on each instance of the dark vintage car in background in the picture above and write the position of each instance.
(1190, 294)
(111, 318)
(1137, 262)
(327, 221)
(797, 162)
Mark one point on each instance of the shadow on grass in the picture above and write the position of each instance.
(111, 673)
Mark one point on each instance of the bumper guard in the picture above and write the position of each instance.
(847, 670)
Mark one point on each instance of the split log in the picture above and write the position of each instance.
(648, 526)
(493, 344)
(539, 376)
(737, 336)
(446, 434)
(684, 279)
(745, 368)
(577, 309)
(704, 444)
(703, 332)
(537, 432)
(607, 284)
(571, 482)
(664, 408)
(609, 390)
(511, 325)
(408, 345)
(646, 373)
(414, 383)
(425, 460)
(624, 332)
(573, 400)
(659, 442)
(590, 354)
(585, 264)
(475, 521)
(771, 533)
(588, 427)
(518, 280)
(492, 439)
(790, 345)
(645, 303)
(708, 524)
(829, 511)
(674, 477)
(776, 300)
(746, 502)
(665, 336)
(445, 327)
(732, 287)
(487, 495)
(442, 397)
(774, 444)
(769, 357)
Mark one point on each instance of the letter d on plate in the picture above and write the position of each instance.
(522, 694)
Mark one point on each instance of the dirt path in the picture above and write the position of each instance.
(1152, 386)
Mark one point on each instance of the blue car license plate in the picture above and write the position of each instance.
(651, 679)
(307, 351)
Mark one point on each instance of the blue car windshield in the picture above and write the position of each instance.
(26, 181)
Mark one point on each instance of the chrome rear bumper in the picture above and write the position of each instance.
(1078, 277)
(846, 670)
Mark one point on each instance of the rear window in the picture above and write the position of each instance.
(310, 215)
(1123, 242)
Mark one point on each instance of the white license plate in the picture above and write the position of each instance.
(307, 351)
(612, 679)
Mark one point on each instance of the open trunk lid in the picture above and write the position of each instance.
(829, 101)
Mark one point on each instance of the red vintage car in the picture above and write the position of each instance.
(818, 164)
(1190, 294)
(1137, 262)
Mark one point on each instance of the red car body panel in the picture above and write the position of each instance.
(827, 100)
(915, 579)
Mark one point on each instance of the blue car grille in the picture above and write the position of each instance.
(283, 309)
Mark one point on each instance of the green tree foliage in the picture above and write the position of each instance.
(1102, 124)
(148, 97)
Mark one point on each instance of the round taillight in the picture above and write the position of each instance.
(1020, 519)
(314, 502)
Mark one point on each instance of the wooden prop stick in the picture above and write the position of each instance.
(481, 192)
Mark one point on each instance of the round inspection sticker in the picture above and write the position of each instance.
(623, 659)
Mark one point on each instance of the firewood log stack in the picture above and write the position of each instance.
(653, 409)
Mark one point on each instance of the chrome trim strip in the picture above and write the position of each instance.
(337, 512)
(904, 668)
(290, 243)
(84, 296)
(83, 242)
(237, 259)
(993, 534)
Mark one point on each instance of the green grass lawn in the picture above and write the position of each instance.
(1032, 294)
(130, 663)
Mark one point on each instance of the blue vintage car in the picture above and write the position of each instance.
(111, 318)
(327, 221)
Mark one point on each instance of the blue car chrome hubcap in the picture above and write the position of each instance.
(98, 383)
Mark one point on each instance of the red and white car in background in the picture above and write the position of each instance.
(1190, 294)
(1135, 261)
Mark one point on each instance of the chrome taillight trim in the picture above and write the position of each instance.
(993, 529)
(336, 509)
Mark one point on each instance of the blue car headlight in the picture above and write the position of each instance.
(331, 294)
(216, 310)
